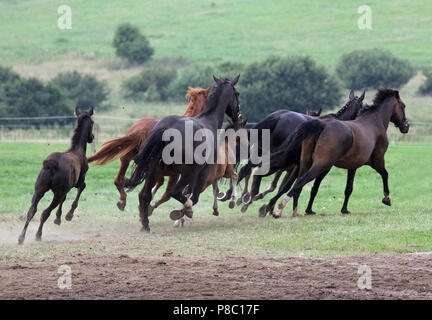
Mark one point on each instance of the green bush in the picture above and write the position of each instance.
(131, 44)
(373, 68)
(150, 85)
(426, 87)
(202, 76)
(294, 83)
(84, 90)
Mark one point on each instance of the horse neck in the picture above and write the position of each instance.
(382, 114)
(214, 113)
(80, 138)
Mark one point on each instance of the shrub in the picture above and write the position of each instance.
(373, 68)
(84, 90)
(294, 83)
(131, 44)
(151, 84)
(426, 87)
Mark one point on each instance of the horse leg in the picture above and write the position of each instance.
(272, 186)
(379, 165)
(145, 197)
(59, 212)
(177, 193)
(119, 182)
(284, 188)
(234, 179)
(348, 190)
(256, 182)
(159, 182)
(312, 173)
(215, 198)
(166, 196)
(46, 213)
(245, 192)
(69, 215)
(314, 192)
(31, 212)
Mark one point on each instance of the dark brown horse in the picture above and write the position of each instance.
(222, 100)
(126, 148)
(318, 145)
(61, 172)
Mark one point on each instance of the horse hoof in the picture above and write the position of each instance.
(276, 215)
(246, 198)
(121, 205)
(231, 204)
(150, 210)
(145, 229)
(69, 217)
(239, 201)
(222, 196)
(215, 213)
(188, 213)
(38, 238)
(263, 211)
(258, 197)
(176, 215)
(57, 221)
(386, 201)
(310, 212)
(345, 211)
(244, 208)
(20, 240)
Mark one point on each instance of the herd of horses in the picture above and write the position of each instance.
(305, 146)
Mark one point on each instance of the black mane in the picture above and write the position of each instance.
(380, 97)
(78, 132)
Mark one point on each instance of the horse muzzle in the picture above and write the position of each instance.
(404, 128)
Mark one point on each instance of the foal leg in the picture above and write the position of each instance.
(314, 192)
(69, 215)
(215, 198)
(46, 213)
(348, 190)
(245, 191)
(272, 186)
(31, 212)
(119, 181)
(57, 220)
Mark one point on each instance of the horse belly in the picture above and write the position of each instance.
(354, 158)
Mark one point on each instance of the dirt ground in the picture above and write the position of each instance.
(401, 276)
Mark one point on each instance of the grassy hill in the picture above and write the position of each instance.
(218, 30)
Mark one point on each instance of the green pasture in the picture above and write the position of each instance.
(100, 228)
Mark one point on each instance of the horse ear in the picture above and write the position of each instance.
(319, 112)
(244, 122)
(77, 111)
(235, 80)
(397, 94)
(363, 95)
(216, 79)
(351, 95)
(91, 111)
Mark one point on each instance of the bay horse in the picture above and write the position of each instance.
(222, 100)
(126, 148)
(318, 145)
(226, 169)
(281, 124)
(61, 172)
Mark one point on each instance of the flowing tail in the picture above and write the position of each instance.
(116, 148)
(147, 158)
(291, 150)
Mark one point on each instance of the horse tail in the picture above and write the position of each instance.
(51, 165)
(116, 148)
(147, 158)
(290, 152)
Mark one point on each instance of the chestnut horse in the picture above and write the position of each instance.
(127, 147)
(318, 145)
(61, 172)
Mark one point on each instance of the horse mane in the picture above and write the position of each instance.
(215, 93)
(78, 131)
(192, 95)
(380, 97)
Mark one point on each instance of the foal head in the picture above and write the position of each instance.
(84, 126)
(198, 96)
(351, 109)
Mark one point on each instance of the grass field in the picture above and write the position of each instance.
(218, 30)
(98, 226)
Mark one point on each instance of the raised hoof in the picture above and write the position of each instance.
(57, 221)
(176, 215)
(263, 211)
(276, 215)
(246, 198)
(150, 210)
(231, 204)
(69, 216)
(215, 212)
(345, 211)
(310, 212)
(239, 201)
(145, 229)
(121, 205)
(222, 196)
(244, 208)
(386, 201)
